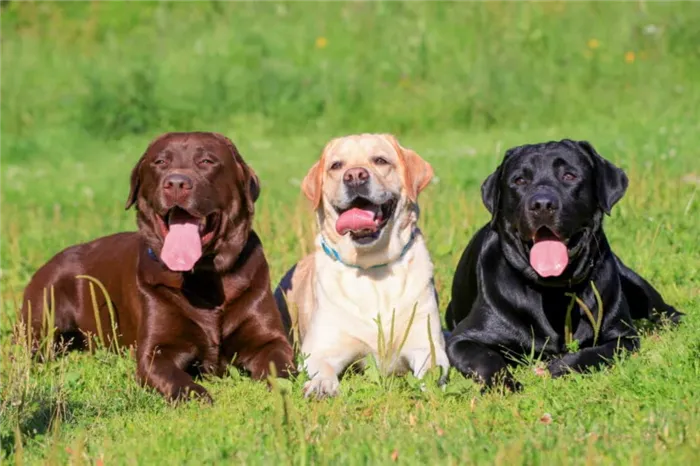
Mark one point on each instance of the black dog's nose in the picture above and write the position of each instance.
(177, 182)
(355, 177)
(543, 203)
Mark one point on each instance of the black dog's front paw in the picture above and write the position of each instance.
(501, 380)
(670, 314)
(482, 364)
(558, 368)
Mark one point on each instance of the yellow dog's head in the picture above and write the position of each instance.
(365, 189)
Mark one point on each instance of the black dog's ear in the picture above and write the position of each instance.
(491, 190)
(135, 184)
(491, 187)
(610, 181)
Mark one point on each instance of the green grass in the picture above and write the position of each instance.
(86, 86)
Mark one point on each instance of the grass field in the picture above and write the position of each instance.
(85, 86)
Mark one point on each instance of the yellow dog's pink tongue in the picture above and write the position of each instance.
(182, 247)
(356, 220)
(549, 258)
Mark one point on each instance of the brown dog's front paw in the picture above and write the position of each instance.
(278, 363)
(192, 392)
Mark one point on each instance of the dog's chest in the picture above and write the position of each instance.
(372, 293)
(214, 317)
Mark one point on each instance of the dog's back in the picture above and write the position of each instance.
(58, 295)
(295, 297)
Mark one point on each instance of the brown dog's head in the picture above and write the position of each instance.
(365, 190)
(195, 197)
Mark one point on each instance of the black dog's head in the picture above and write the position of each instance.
(547, 201)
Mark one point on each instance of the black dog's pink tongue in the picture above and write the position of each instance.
(182, 247)
(549, 258)
(356, 220)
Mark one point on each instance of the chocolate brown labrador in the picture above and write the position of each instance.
(190, 289)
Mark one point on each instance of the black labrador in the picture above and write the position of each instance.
(530, 281)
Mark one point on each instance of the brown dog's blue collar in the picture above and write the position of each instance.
(333, 254)
(152, 254)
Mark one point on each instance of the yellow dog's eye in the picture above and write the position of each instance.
(336, 165)
(380, 161)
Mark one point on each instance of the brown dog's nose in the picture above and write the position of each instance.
(176, 183)
(355, 177)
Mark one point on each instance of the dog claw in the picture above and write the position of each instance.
(320, 388)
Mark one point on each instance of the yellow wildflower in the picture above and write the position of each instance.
(629, 57)
(321, 42)
(593, 44)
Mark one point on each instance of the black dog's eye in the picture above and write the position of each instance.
(569, 176)
(336, 165)
(520, 181)
(380, 161)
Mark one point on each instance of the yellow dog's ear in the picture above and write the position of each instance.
(312, 184)
(417, 173)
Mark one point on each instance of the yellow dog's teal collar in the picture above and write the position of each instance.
(333, 254)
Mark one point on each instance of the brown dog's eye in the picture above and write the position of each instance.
(380, 161)
(206, 162)
(520, 181)
(336, 165)
(569, 176)
(159, 162)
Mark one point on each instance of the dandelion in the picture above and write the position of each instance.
(593, 44)
(321, 42)
(629, 57)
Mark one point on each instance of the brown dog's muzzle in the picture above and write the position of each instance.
(176, 188)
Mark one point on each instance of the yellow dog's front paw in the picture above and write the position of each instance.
(321, 387)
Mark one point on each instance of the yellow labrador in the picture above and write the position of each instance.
(371, 267)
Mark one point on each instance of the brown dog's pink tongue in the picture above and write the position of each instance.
(549, 258)
(355, 220)
(182, 247)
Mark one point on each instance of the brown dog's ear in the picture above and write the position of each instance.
(417, 173)
(250, 183)
(253, 185)
(135, 184)
(312, 184)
